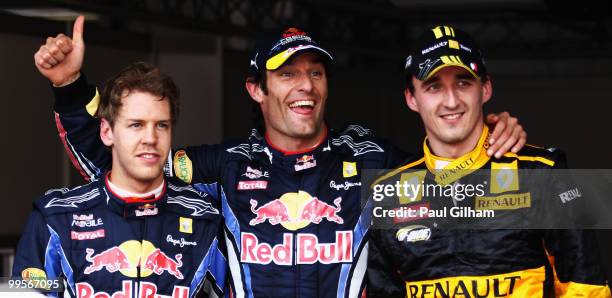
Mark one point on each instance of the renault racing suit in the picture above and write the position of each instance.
(104, 245)
(293, 220)
(431, 255)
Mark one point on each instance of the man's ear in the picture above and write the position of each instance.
(106, 132)
(410, 100)
(487, 90)
(254, 90)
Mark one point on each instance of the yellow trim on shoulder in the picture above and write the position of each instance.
(394, 172)
(92, 106)
(531, 158)
(574, 289)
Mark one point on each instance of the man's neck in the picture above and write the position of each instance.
(459, 149)
(133, 185)
(288, 144)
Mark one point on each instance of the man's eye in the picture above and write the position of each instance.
(464, 83)
(317, 73)
(163, 125)
(286, 74)
(432, 88)
(135, 125)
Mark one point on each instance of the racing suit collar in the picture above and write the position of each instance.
(297, 152)
(459, 167)
(136, 207)
(291, 161)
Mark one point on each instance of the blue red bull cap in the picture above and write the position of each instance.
(273, 51)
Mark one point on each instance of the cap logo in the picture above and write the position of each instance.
(254, 61)
(441, 31)
(408, 62)
(453, 44)
(293, 31)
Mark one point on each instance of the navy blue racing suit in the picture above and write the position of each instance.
(103, 246)
(293, 220)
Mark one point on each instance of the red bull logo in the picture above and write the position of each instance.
(293, 31)
(131, 255)
(305, 162)
(296, 210)
(308, 249)
(159, 262)
(141, 289)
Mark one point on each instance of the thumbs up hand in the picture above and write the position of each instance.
(60, 59)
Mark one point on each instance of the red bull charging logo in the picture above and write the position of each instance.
(296, 210)
(127, 257)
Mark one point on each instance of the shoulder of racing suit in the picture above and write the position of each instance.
(65, 200)
(531, 156)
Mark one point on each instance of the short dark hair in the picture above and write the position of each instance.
(138, 76)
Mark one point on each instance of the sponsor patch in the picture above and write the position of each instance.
(305, 249)
(146, 210)
(294, 211)
(182, 166)
(349, 169)
(84, 220)
(346, 185)
(414, 233)
(505, 202)
(130, 289)
(180, 242)
(410, 213)
(185, 225)
(504, 177)
(413, 182)
(255, 173)
(33, 274)
(252, 185)
(87, 235)
(133, 258)
(570, 195)
(305, 162)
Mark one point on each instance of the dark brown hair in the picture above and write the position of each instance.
(139, 76)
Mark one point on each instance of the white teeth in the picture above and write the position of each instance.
(147, 155)
(452, 116)
(302, 103)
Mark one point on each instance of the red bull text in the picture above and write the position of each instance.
(142, 289)
(309, 250)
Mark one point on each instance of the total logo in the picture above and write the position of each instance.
(295, 211)
(142, 289)
(127, 257)
(308, 250)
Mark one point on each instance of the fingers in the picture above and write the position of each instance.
(54, 51)
(507, 135)
(501, 122)
(77, 30)
(44, 58)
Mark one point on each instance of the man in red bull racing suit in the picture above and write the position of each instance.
(131, 233)
(512, 235)
(293, 220)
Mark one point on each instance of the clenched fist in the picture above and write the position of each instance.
(60, 59)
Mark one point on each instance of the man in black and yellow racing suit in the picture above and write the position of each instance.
(458, 223)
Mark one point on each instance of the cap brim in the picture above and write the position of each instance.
(279, 59)
(441, 66)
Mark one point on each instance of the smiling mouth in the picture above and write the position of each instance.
(149, 156)
(453, 116)
(302, 106)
